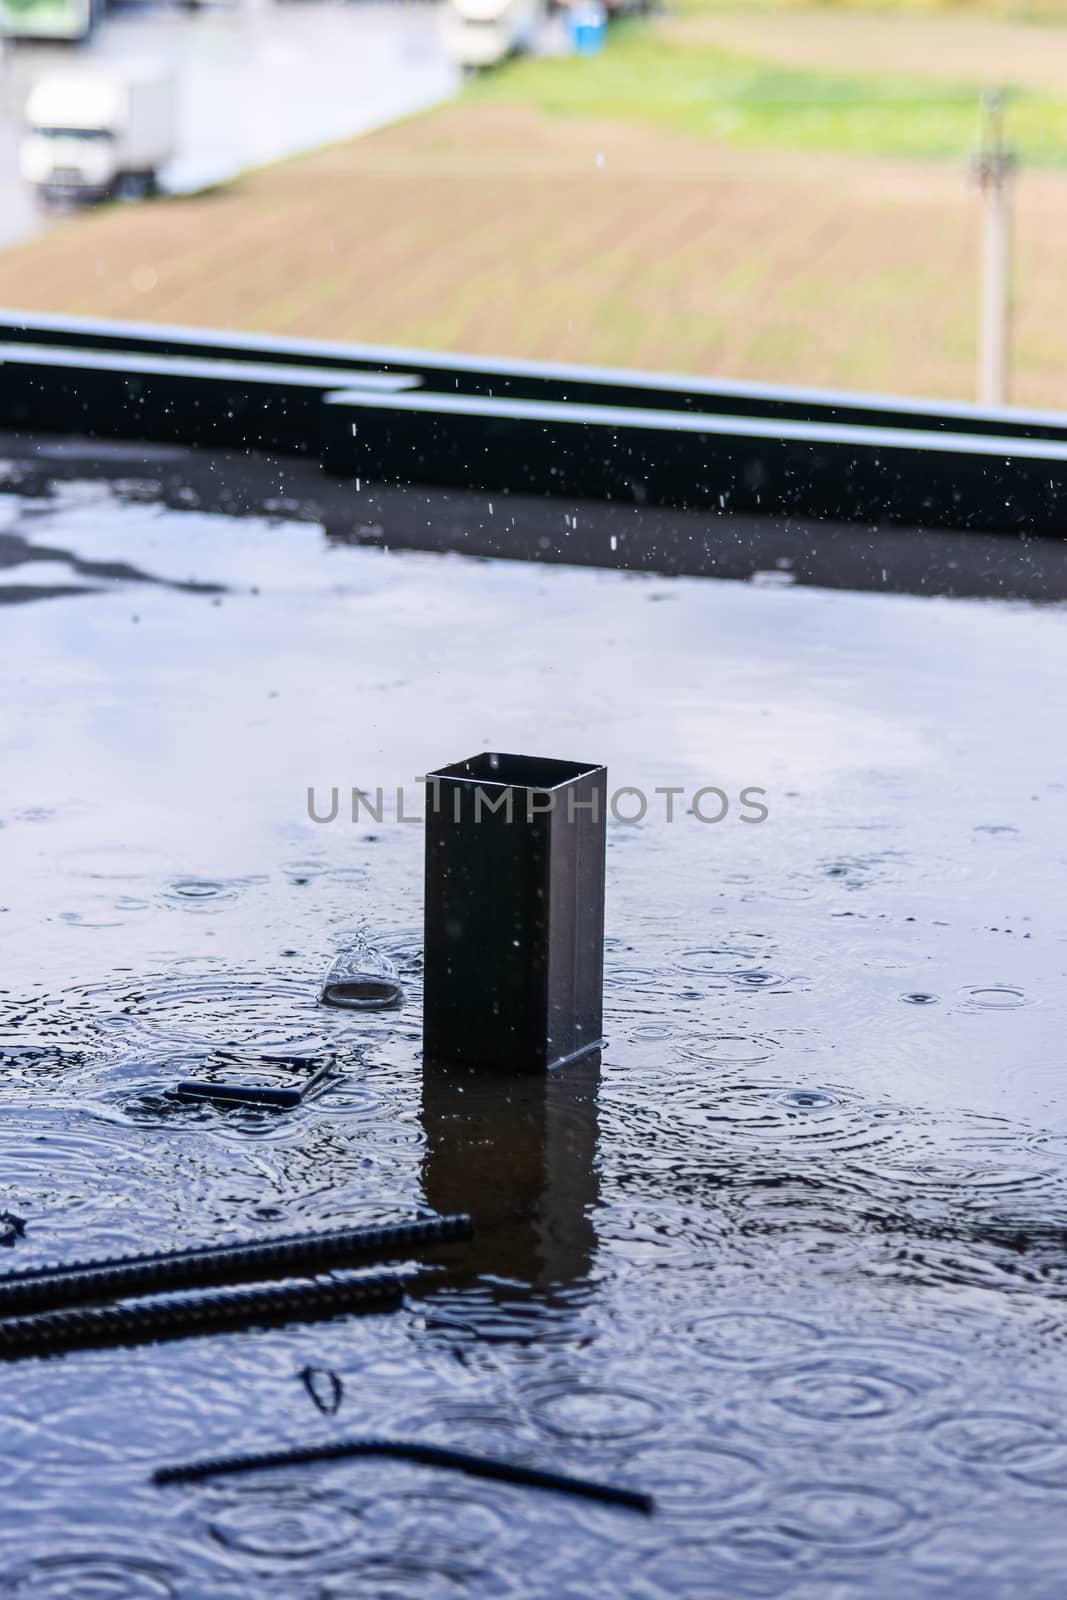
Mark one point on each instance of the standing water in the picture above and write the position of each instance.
(789, 1254)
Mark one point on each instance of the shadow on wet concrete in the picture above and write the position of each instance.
(626, 537)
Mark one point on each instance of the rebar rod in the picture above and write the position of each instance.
(203, 1266)
(180, 1317)
(429, 1455)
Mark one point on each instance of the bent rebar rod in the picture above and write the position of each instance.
(202, 1266)
(428, 1455)
(151, 1321)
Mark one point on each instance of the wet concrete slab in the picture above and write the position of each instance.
(790, 1255)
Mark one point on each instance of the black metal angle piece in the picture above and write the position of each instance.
(232, 1092)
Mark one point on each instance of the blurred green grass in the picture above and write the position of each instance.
(987, 10)
(643, 75)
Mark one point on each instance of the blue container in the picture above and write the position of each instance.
(589, 26)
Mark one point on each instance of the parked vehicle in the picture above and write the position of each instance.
(588, 24)
(479, 33)
(99, 131)
(49, 19)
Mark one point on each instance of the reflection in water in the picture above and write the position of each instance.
(772, 551)
(17, 550)
(518, 1154)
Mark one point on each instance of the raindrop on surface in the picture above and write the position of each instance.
(398, 1579)
(362, 979)
(717, 961)
(652, 1031)
(287, 1527)
(197, 889)
(726, 1049)
(588, 1411)
(993, 997)
(752, 1338)
(836, 1388)
(89, 1577)
(757, 978)
(756, 1562)
(466, 1425)
(807, 1099)
(994, 1438)
(845, 1515)
(258, 1010)
(694, 1478)
(430, 1525)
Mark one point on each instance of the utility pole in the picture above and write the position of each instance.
(994, 168)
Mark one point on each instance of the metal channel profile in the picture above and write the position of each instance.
(111, 394)
(836, 471)
(514, 912)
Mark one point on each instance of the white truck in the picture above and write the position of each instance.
(479, 33)
(95, 132)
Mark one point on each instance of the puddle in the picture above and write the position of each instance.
(783, 1256)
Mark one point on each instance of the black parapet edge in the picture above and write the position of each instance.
(186, 399)
(836, 471)
(450, 372)
(612, 438)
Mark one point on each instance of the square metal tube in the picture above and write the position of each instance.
(514, 912)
